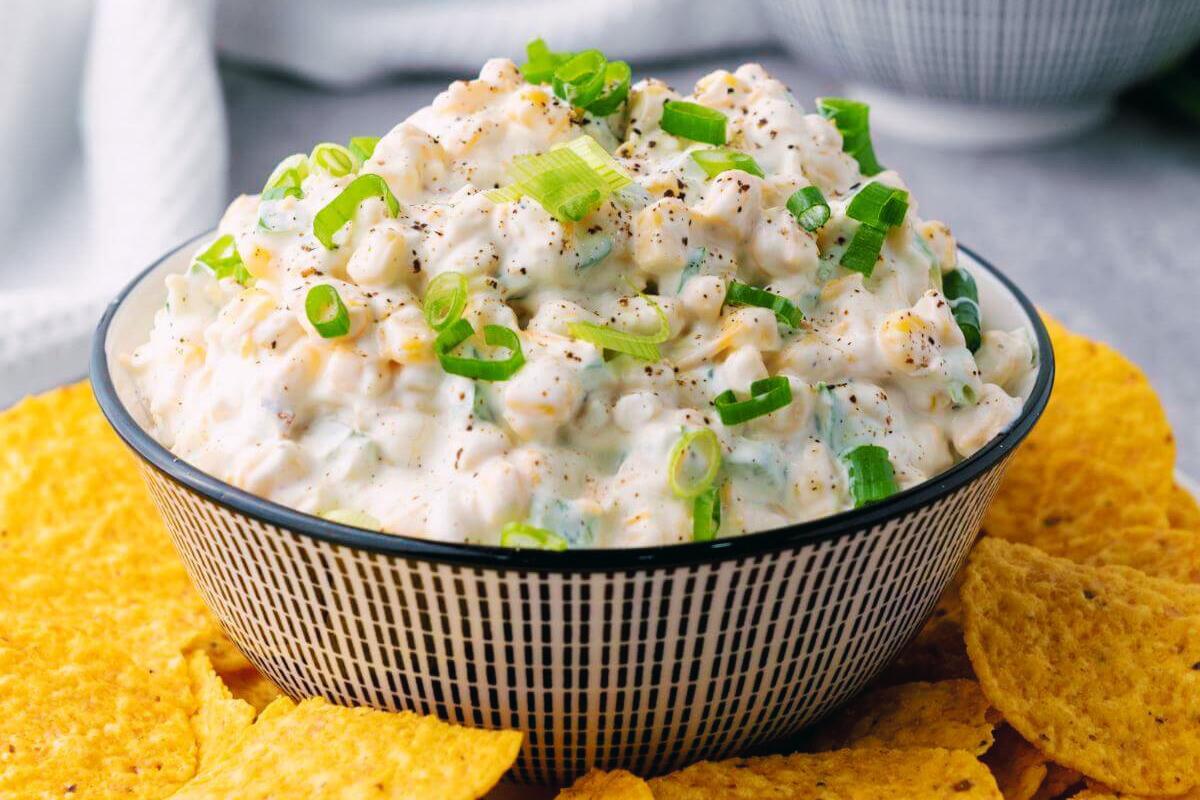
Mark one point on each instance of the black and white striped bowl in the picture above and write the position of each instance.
(645, 658)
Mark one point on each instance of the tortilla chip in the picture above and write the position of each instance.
(1160, 552)
(315, 749)
(252, 686)
(1077, 501)
(1059, 781)
(865, 773)
(79, 718)
(1097, 791)
(1183, 511)
(950, 714)
(1103, 452)
(938, 652)
(615, 785)
(80, 539)
(220, 718)
(1098, 666)
(1019, 768)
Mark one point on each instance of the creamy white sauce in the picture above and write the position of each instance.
(239, 384)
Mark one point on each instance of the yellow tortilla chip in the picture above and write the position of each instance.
(1098, 666)
(938, 652)
(1059, 782)
(953, 715)
(865, 773)
(219, 718)
(315, 749)
(1183, 512)
(252, 686)
(1103, 451)
(1160, 552)
(1097, 791)
(83, 542)
(1019, 768)
(79, 718)
(615, 785)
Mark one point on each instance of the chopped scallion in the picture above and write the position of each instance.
(519, 534)
(785, 310)
(852, 119)
(686, 479)
(643, 346)
(325, 310)
(766, 395)
(362, 148)
(721, 159)
(569, 181)
(617, 77)
(290, 172)
(871, 475)
(445, 299)
(580, 79)
(331, 218)
(809, 207)
(706, 515)
(333, 158)
(223, 259)
(879, 205)
(963, 295)
(864, 249)
(541, 62)
(477, 368)
(693, 121)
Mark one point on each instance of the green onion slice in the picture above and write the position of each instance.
(852, 118)
(331, 218)
(362, 148)
(459, 331)
(879, 205)
(785, 310)
(519, 534)
(569, 181)
(333, 158)
(290, 172)
(766, 395)
(864, 249)
(871, 475)
(325, 310)
(701, 444)
(960, 290)
(280, 192)
(693, 121)
(348, 516)
(722, 159)
(599, 161)
(541, 62)
(445, 299)
(638, 345)
(223, 259)
(706, 515)
(580, 79)
(617, 77)
(809, 207)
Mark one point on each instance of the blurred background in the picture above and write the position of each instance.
(1060, 139)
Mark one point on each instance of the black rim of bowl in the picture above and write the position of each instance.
(575, 560)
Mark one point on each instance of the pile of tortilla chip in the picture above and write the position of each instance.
(1064, 660)
(115, 681)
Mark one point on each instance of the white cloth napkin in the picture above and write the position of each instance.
(114, 126)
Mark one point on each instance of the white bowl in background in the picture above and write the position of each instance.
(987, 73)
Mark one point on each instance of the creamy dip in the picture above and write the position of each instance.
(368, 427)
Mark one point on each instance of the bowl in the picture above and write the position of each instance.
(647, 659)
(987, 73)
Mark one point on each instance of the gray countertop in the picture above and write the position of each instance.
(1102, 231)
